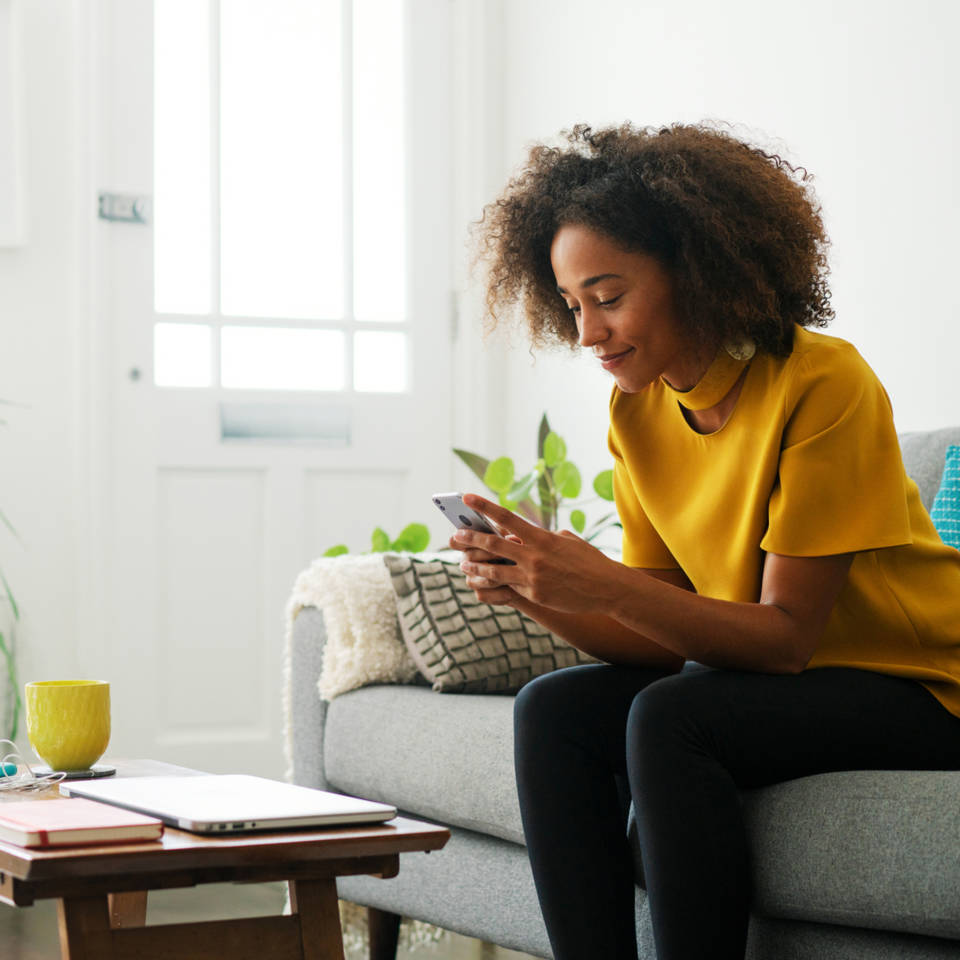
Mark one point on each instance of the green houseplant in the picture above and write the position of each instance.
(538, 495)
(6, 640)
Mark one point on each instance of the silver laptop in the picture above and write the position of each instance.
(229, 803)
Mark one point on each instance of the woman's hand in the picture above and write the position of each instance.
(556, 570)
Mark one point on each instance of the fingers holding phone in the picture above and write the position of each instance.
(451, 505)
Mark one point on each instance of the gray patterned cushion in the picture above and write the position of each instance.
(462, 645)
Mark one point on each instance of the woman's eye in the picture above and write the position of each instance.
(610, 302)
(573, 309)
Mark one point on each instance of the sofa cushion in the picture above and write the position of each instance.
(872, 849)
(946, 507)
(923, 456)
(462, 645)
(444, 758)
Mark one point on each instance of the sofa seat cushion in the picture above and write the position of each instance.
(874, 849)
(447, 757)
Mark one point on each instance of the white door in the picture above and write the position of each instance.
(279, 335)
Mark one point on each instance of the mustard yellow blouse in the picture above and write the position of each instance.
(808, 464)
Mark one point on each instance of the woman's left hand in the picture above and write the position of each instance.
(556, 570)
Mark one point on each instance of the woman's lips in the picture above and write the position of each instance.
(611, 360)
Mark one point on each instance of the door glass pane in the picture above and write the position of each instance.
(379, 154)
(281, 168)
(380, 362)
(181, 355)
(181, 159)
(281, 358)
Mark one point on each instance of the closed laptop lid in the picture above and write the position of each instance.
(230, 802)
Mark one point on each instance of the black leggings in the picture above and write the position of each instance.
(686, 744)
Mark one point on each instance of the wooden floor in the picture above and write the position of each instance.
(30, 933)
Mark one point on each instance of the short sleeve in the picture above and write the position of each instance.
(642, 545)
(841, 484)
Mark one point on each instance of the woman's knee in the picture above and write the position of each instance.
(658, 709)
(675, 712)
(576, 701)
(545, 698)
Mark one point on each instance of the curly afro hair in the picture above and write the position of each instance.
(739, 228)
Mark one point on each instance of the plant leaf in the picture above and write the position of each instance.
(475, 462)
(413, 538)
(338, 551)
(567, 479)
(530, 511)
(542, 433)
(9, 593)
(603, 484)
(604, 521)
(578, 520)
(596, 533)
(9, 525)
(13, 685)
(499, 475)
(380, 541)
(522, 487)
(554, 449)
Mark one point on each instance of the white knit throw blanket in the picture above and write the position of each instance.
(363, 643)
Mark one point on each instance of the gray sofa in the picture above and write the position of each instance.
(846, 865)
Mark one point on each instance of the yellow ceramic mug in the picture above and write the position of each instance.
(68, 721)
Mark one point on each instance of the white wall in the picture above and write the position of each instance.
(40, 284)
(863, 93)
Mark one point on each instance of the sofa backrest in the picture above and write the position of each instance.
(923, 455)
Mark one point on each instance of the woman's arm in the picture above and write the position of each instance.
(561, 572)
(600, 635)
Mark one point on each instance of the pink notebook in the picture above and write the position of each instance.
(62, 823)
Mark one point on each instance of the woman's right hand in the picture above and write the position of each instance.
(476, 555)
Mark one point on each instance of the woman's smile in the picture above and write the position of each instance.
(610, 361)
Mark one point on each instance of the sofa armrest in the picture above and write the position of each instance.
(307, 711)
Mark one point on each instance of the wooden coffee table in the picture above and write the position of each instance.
(102, 891)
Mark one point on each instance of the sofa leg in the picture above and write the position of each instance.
(384, 930)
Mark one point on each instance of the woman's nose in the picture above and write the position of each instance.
(591, 327)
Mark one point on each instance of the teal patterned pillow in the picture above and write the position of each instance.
(946, 505)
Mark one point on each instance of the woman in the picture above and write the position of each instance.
(784, 606)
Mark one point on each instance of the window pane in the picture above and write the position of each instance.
(379, 152)
(181, 158)
(281, 358)
(380, 362)
(181, 355)
(281, 169)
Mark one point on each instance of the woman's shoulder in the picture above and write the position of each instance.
(819, 368)
(826, 380)
(817, 354)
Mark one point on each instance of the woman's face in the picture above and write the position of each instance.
(624, 304)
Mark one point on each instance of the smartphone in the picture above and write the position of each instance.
(451, 505)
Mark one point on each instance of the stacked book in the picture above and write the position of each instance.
(65, 822)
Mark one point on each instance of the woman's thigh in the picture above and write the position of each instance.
(584, 706)
(766, 728)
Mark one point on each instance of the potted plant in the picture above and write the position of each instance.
(554, 478)
(8, 671)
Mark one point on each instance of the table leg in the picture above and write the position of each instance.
(128, 909)
(84, 928)
(315, 902)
